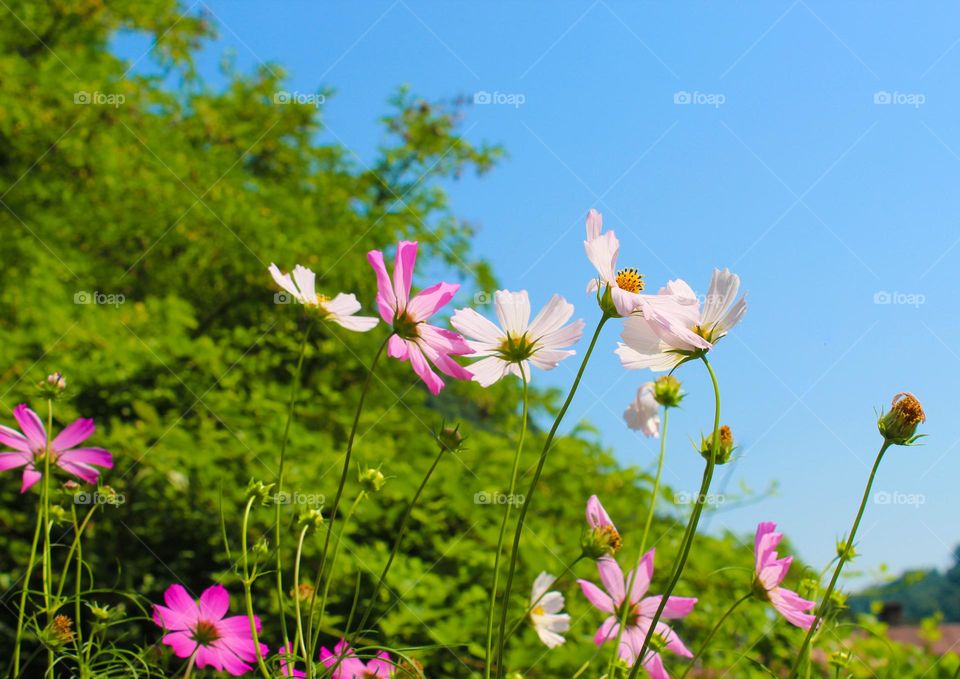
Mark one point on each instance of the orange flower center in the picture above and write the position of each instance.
(630, 279)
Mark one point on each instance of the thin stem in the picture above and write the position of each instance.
(525, 507)
(78, 587)
(247, 589)
(396, 543)
(691, 530)
(299, 641)
(77, 533)
(713, 632)
(189, 670)
(336, 552)
(503, 527)
(47, 554)
(278, 533)
(643, 543)
(844, 557)
(343, 478)
(31, 562)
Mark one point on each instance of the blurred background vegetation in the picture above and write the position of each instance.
(135, 239)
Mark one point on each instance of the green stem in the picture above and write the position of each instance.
(299, 641)
(247, 589)
(78, 587)
(31, 562)
(844, 557)
(75, 545)
(713, 632)
(47, 554)
(525, 507)
(189, 670)
(278, 533)
(691, 530)
(611, 667)
(343, 479)
(396, 543)
(503, 527)
(336, 552)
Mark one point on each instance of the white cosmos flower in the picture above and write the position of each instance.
(510, 348)
(643, 414)
(602, 250)
(341, 309)
(688, 329)
(546, 617)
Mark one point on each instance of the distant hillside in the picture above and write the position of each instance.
(920, 594)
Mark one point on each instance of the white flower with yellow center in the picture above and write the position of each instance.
(510, 348)
(545, 615)
(301, 285)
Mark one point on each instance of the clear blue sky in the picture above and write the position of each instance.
(785, 168)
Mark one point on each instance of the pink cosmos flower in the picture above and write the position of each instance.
(413, 338)
(602, 537)
(349, 666)
(342, 309)
(31, 446)
(198, 627)
(612, 600)
(643, 413)
(770, 572)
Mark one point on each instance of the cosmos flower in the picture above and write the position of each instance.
(413, 338)
(546, 617)
(510, 348)
(349, 666)
(625, 285)
(770, 572)
(680, 328)
(31, 446)
(640, 611)
(601, 537)
(199, 627)
(341, 309)
(643, 413)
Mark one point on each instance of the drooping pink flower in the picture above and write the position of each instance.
(31, 446)
(413, 338)
(199, 627)
(601, 537)
(770, 572)
(347, 665)
(613, 598)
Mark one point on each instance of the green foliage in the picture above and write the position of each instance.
(135, 242)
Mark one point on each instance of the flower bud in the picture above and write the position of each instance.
(53, 386)
(667, 391)
(372, 480)
(450, 439)
(725, 445)
(262, 548)
(303, 592)
(845, 551)
(59, 632)
(263, 492)
(59, 515)
(100, 612)
(840, 659)
(899, 425)
(311, 517)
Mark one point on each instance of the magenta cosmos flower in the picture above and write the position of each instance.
(770, 573)
(31, 446)
(347, 665)
(199, 627)
(641, 609)
(601, 537)
(413, 338)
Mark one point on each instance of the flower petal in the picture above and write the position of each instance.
(74, 433)
(644, 573)
(429, 301)
(14, 439)
(214, 602)
(285, 281)
(31, 426)
(596, 596)
(386, 299)
(513, 311)
(476, 327)
(403, 271)
(306, 283)
(612, 578)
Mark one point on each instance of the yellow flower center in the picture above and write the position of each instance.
(537, 611)
(322, 298)
(630, 279)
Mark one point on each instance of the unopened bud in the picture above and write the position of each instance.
(724, 445)
(372, 480)
(53, 386)
(899, 424)
(303, 592)
(263, 492)
(450, 438)
(840, 659)
(311, 517)
(667, 391)
(59, 632)
(262, 548)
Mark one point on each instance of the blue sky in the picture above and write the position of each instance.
(818, 158)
